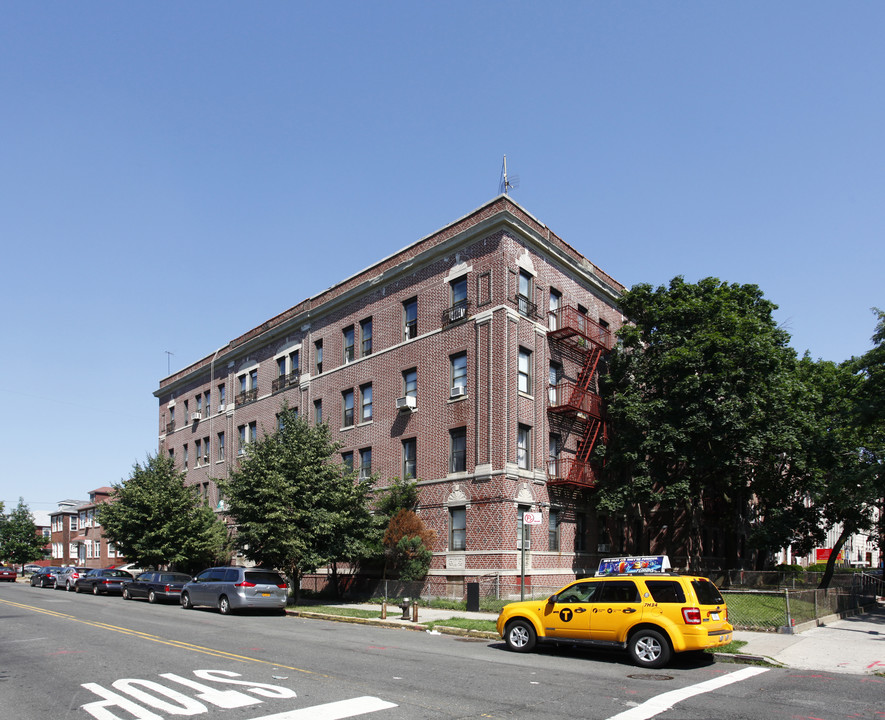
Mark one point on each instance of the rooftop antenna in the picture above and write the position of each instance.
(508, 184)
(169, 355)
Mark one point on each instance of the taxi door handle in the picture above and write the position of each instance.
(580, 610)
(629, 610)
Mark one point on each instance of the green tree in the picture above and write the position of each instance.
(692, 385)
(19, 541)
(155, 519)
(296, 507)
(851, 447)
(406, 545)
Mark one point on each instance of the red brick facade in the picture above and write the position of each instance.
(76, 535)
(512, 265)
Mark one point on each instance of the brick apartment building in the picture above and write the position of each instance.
(467, 360)
(76, 536)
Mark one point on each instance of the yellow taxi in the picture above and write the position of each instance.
(631, 603)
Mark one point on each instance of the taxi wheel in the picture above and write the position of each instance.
(520, 636)
(649, 648)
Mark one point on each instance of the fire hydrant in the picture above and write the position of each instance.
(405, 607)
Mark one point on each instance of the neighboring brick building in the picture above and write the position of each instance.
(76, 534)
(467, 360)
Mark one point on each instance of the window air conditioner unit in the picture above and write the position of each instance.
(406, 403)
(603, 547)
(196, 416)
(458, 391)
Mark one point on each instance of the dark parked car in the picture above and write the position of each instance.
(67, 577)
(8, 574)
(102, 581)
(156, 586)
(45, 577)
(235, 588)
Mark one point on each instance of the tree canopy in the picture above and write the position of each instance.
(296, 506)
(693, 384)
(19, 541)
(154, 519)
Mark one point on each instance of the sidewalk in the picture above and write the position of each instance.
(853, 645)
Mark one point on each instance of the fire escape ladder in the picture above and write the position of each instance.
(588, 441)
(585, 377)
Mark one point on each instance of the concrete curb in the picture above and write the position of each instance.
(396, 625)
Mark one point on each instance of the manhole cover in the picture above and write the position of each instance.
(650, 677)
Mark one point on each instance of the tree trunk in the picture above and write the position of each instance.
(831, 562)
(336, 593)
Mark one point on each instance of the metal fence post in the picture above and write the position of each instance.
(816, 610)
(787, 605)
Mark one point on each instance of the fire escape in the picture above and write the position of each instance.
(577, 401)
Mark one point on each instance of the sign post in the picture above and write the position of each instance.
(528, 518)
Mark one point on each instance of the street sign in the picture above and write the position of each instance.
(532, 518)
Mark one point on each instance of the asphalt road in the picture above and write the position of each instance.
(78, 656)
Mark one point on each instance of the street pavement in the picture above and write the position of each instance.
(853, 645)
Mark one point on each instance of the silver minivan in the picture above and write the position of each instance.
(236, 588)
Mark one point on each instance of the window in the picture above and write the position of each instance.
(221, 446)
(366, 403)
(523, 445)
(318, 411)
(186, 415)
(410, 319)
(185, 456)
(524, 378)
(74, 525)
(241, 448)
(281, 367)
(366, 337)
(457, 450)
(553, 310)
(248, 433)
(581, 532)
(524, 293)
(253, 431)
(365, 463)
(410, 382)
(555, 377)
(318, 356)
(347, 404)
(199, 446)
(348, 344)
(208, 403)
(221, 398)
(294, 362)
(347, 461)
(206, 450)
(554, 451)
(553, 530)
(248, 387)
(410, 462)
(458, 309)
(199, 405)
(459, 375)
(457, 528)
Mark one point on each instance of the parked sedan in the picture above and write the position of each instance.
(67, 577)
(45, 577)
(102, 581)
(156, 586)
(7, 574)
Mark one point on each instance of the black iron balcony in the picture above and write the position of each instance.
(456, 313)
(284, 381)
(247, 396)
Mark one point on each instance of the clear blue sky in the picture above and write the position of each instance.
(173, 174)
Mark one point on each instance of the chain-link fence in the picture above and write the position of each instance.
(771, 610)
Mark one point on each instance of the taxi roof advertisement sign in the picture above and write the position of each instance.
(633, 565)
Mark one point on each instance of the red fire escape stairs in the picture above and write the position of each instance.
(575, 399)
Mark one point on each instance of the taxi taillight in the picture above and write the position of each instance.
(691, 615)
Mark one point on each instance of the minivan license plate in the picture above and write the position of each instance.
(714, 616)
(265, 594)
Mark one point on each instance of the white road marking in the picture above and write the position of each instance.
(662, 703)
(334, 710)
